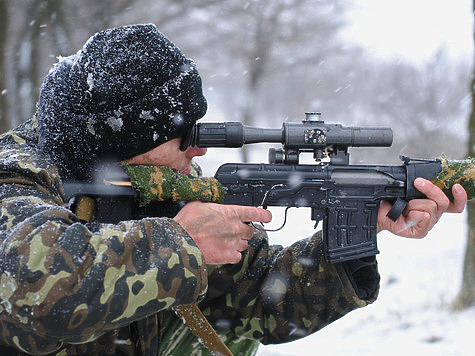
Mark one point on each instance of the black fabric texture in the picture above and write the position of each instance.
(363, 276)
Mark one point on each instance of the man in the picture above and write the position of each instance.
(76, 288)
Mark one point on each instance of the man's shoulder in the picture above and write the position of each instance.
(20, 157)
(24, 134)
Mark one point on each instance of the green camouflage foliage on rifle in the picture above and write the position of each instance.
(163, 183)
(456, 171)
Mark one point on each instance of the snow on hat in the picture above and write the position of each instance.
(127, 91)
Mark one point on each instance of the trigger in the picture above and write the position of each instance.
(397, 209)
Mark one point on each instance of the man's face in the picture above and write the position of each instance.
(169, 154)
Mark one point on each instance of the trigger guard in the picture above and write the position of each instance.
(397, 209)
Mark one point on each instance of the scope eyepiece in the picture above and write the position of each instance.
(187, 139)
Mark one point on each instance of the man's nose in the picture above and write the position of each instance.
(194, 151)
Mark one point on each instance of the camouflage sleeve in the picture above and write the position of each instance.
(277, 294)
(60, 282)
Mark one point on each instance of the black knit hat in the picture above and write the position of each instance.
(127, 91)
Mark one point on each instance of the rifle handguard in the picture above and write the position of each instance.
(456, 171)
(162, 183)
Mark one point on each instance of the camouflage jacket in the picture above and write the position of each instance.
(68, 289)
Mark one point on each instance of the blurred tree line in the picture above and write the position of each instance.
(262, 62)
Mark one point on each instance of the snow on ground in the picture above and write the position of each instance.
(419, 280)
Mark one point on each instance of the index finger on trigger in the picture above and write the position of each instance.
(252, 214)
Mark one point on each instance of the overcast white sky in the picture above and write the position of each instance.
(413, 29)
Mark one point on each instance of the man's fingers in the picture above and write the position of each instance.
(437, 195)
(247, 232)
(421, 215)
(236, 257)
(251, 214)
(419, 223)
(433, 193)
(426, 205)
(460, 199)
(242, 246)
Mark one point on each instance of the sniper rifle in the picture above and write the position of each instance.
(345, 197)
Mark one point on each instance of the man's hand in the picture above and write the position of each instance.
(220, 231)
(421, 215)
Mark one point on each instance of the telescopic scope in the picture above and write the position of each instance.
(307, 135)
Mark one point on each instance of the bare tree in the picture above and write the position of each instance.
(466, 296)
(3, 80)
(42, 16)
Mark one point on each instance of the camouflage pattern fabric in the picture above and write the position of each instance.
(63, 284)
(69, 290)
(163, 183)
